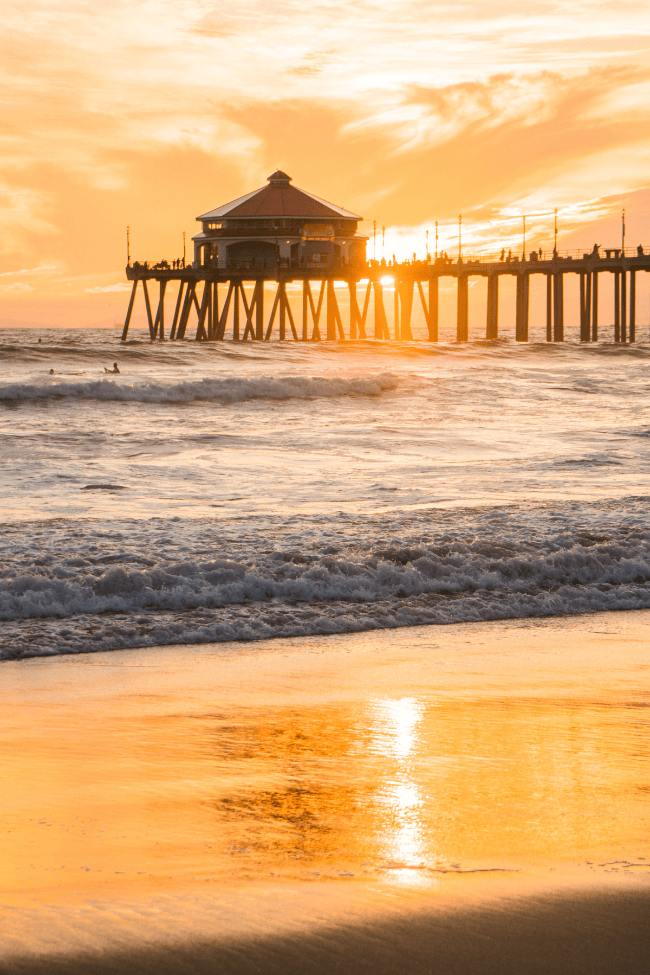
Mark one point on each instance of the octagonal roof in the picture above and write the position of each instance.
(279, 199)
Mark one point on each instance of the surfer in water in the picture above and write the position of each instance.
(114, 369)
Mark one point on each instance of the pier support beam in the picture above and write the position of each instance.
(623, 306)
(617, 306)
(177, 310)
(632, 306)
(381, 322)
(259, 311)
(549, 307)
(129, 311)
(431, 309)
(594, 307)
(492, 319)
(406, 303)
(462, 308)
(396, 312)
(152, 333)
(585, 307)
(558, 306)
(521, 323)
(331, 316)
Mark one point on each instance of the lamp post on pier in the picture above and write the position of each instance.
(128, 247)
(623, 234)
(460, 225)
(555, 235)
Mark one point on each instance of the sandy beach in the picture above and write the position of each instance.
(455, 799)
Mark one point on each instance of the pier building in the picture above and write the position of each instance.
(278, 225)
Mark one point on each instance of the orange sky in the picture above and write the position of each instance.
(150, 112)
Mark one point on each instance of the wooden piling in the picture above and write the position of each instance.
(223, 318)
(492, 317)
(364, 313)
(305, 310)
(406, 306)
(152, 333)
(396, 311)
(355, 314)
(462, 308)
(381, 322)
(259, 311)
(521, 321)
(632, 305)
(558, 306)
(585, 331)
(617, 306)
(283, 311)
(129, 311)
(201, 332)
(185, 313)
(594, 306)
(549, 307)
(331, 316)
(172, 334)
(623, 306)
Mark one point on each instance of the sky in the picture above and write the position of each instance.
(148, 113)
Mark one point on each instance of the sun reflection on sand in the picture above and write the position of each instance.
(396, 735)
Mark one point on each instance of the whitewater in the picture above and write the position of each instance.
(237, 492)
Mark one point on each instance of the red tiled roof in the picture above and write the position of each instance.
(280, 199)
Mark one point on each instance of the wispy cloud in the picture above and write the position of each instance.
(148, 113)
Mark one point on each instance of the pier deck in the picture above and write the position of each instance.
(242, 315)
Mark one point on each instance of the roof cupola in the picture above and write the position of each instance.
(279, 177)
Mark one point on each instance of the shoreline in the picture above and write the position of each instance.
(384, 797)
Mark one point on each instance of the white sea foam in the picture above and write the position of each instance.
(226, 390)
(107, 586)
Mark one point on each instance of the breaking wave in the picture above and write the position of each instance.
(225, 390)
(133, 586)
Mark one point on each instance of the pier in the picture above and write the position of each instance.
(282, 235)
(212, 303)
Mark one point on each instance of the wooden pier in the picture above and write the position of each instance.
(213, 302)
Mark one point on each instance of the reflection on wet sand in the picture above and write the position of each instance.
(398, 759)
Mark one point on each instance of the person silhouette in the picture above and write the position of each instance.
(114, 369)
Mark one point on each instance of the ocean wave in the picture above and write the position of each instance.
(224, 390)
(207, 589)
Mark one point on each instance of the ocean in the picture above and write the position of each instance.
(238, 492)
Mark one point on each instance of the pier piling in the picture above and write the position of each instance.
(198, 293)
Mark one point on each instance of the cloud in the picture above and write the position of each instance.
(16, 288)
(146, 114)
(108, 288)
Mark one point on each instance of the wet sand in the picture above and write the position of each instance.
(445, 799)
